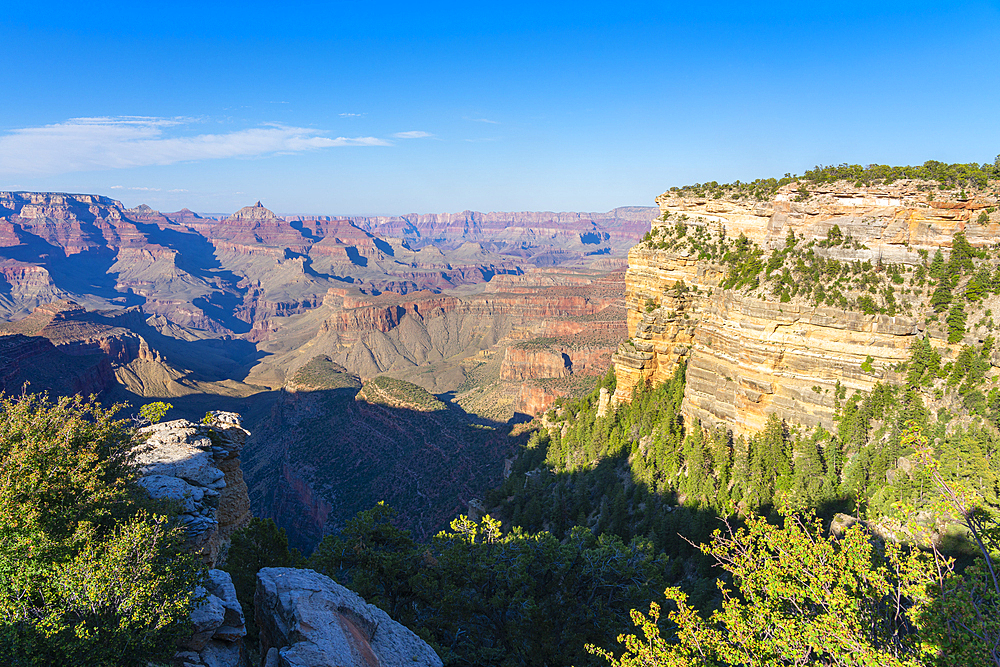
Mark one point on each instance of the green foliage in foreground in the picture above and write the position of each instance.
(803, 597)
(480, 596)
(89, 576)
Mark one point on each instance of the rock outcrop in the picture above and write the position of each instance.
(750, 353)
(308, 620)
(219, 626)
(197, 467)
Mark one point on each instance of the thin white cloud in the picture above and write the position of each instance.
(84, 144)
(484, 120)
(352, 115)
(131, 120)
(413, 134)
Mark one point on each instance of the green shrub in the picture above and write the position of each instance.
(956, 323)
(484, 596)
(88, 575)
(154, 412)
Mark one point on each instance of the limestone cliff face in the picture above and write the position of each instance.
(521, 364)
(534, 368)
(892, 220)
(748, 353)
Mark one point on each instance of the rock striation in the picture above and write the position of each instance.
(231, 276)
(308, 620)
(749, 354)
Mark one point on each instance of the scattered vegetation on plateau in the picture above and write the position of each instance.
(390, 391)
(947, 176)
(536, 343)
(321, 372)
(951, 290)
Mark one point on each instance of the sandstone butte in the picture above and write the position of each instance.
(748, 356)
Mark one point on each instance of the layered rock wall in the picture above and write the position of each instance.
(33, 362)
(749, 354)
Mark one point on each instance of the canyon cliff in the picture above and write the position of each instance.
(753, 348)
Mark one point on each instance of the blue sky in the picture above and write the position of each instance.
(384, 108)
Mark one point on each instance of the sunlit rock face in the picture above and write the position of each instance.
(197, 467)
(749, 354)
(309, 620)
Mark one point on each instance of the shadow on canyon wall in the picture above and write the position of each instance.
(316, 458)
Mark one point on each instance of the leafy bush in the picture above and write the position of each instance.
(88, 574)
(154, 412)
(866, 365)
(801, 596)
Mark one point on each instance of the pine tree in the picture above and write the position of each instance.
(695, 482)
(978, 285)
(962, 254)
(810, 473)
(956, 323)
(941, 298)
(938, 269)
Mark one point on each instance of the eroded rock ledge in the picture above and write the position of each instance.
(308, 620)
(197, 467)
